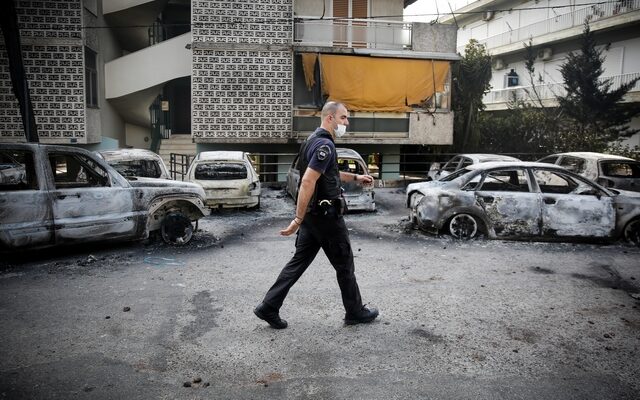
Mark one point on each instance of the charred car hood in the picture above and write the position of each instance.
(159, 182)
(178, 186)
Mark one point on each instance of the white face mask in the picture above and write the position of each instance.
(340, 130)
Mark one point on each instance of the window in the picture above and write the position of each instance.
(452, 165)
(549, 159)
(573, 164)
(552, 182)
(91, 77)
(350, 165)
(17, 171)
(76, 170)
(220, 171)
(142, 168)
(623, 169)
(512, 78)
(513, 180)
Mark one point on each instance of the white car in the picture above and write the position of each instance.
(523, 200)
(136, 163)
(608, 170)
(228, 178)
(463, 160)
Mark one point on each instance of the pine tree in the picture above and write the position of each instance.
(596, 116)
(471, 78)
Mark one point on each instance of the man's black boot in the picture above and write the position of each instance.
(269, 314)
(363, 316)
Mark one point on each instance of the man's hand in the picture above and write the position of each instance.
(291, 229)
(365, 179)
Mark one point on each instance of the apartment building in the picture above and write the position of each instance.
(554, 28)
(231, 74)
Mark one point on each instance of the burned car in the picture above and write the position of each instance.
(523, 200)
(359, 197)
(136, 163)
(462, 160)
(608, 170)
(70, 195)
(228, 178)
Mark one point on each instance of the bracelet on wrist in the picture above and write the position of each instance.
(355, 177)
(295, 219)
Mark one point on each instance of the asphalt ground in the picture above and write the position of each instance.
(477, 319)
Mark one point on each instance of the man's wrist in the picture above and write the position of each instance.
(297, 220)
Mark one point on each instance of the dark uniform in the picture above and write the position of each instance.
(323, 227)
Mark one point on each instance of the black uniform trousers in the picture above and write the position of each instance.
(329, 233)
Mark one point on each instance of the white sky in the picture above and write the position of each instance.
(414, 11)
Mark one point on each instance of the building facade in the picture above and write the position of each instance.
(237, 74)
(554, 28)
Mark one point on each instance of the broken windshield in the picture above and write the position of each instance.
(220, 171)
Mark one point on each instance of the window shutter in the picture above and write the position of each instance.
(359, 8)
(341, 8)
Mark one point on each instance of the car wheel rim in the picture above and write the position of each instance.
(632, 232)
(463, 226)
(176, 229)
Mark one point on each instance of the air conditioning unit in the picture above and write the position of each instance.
(487, 15)
(545, 54)
(498, 63)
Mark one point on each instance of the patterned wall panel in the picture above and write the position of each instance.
(242, 70)
(52, 50)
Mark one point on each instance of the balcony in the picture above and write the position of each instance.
(498, 99)
(575, 19)
(360, 33)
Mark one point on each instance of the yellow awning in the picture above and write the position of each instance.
(381, 84)
(309, 67)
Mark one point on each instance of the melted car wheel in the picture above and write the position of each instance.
(176, 229)
(463, 226)
(632, 232)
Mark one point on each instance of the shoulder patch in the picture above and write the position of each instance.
(323, 152)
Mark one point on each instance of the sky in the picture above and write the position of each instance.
(414, 11)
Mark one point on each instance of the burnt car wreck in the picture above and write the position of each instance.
(520, 200)
(69, 195)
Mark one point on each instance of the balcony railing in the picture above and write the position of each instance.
(550, 90)
(364, 33)
(560, 22)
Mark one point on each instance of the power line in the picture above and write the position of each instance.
(286, 21)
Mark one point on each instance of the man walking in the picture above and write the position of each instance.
(319, 222)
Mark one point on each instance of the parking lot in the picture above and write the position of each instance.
(474, 319)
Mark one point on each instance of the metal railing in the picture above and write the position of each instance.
(560, 22)
(549, 91)
(179, 165)
(365, 33)
(405, 167)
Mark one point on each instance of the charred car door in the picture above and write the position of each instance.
(510, 206)
(25, 209)
(89, 205)
(574, 207)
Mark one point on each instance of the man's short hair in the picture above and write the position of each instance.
(330, 108)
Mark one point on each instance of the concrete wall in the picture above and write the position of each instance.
(434, 38)
(52, 48)
(242, 73)
(137, 136)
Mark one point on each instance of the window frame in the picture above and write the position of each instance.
(91, 78)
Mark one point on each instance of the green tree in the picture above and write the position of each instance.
(471, 78)
(596, 116)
